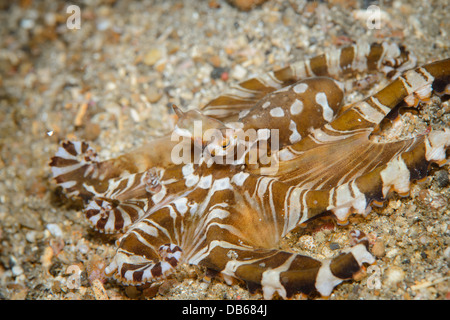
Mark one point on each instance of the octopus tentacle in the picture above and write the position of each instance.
(135, 269)
(250, 255)
(109, 216)
(396, 175)
(286, 273)
(348, 135)
(75, 165)
(78, 170)
(385, 57)
(372, 110)
(152, 248)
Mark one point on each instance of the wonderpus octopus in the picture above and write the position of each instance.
(236, 176)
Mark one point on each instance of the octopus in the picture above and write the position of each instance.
(274, 152)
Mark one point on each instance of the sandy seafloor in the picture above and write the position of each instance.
(112, 82)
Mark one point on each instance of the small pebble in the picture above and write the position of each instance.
(442, 178)
(166, 286)
(27, 24)
(151, 291)
(96, 270)
(111, 86)
(379, 249)
(239, 72)
(56, 287)
(327, 252)
(217, 72)
(204, 285)
(246, 5)
(54, 230)
(392, 253)
(82, 247)
(91, 131)
(153, 95)
(215, 61)
(99, 290)
(334, 246)
(307, 242)
(394, 275)
(132, 292)
(423, 239)
(438, 202)
(46, 258)
(17, 271)
(31, 236)
(103, 25)
(152, 56)
(447, 253)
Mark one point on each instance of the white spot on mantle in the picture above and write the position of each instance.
(300, 88)
(296, 107)
(277, 112)
(327, 112)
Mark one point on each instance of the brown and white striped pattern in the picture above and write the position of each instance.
(231, 217)
(387, 58)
